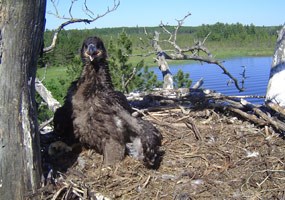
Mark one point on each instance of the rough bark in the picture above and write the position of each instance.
(21, 30)
(275, 89)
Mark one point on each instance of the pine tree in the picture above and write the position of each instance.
(182, 80)
(125, 76)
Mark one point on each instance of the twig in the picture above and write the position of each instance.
(72, 20)
(87, 10)
(70, 8)
(146, 182)
(190, 124)
(260, 171)
(58, 192)
(45, 123)
(130, 78)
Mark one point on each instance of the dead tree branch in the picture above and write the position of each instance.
(91, 17)
(131, 76)
(276, 108)
(46, 95)
(180, 54)
(205, 99)
(162, 63)
(189, 53)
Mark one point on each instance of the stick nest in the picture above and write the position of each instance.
(208, 154)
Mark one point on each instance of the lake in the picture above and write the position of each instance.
(257, 73)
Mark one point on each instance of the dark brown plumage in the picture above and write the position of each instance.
(101, 117)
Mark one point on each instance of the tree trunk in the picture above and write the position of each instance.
(276, 85)
(162, 63)
(21, 36)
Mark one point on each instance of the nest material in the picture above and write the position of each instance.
(208, 154)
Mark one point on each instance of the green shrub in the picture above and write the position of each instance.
(181, 80)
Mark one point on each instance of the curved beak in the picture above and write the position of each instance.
(92, 52)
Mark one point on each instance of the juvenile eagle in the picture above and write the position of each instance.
(100, 117)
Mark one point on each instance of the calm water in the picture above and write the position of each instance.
(257, 73)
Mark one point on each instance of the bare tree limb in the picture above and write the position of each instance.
(46, 95)
(174, 36)
(162, 64)
(45, 123)
(199, 98)
(52, 103)
(70, 8)
(125, 84)
(198, 84)
(277, 108)
(87, 10)
(55, 7)
(209, 60)
(72, 20)
(190, 53)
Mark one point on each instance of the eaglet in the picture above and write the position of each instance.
(100, 117)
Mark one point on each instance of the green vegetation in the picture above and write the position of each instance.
(129, 73)
(181, 79)
(125, 76)
(226, 40)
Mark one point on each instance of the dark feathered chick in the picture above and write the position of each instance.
(101, 117)
(93, 50)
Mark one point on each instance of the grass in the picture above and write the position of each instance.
(219, 51)
(242, 52)
(51, 72)
(56, 80)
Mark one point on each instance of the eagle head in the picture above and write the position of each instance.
(93, 50)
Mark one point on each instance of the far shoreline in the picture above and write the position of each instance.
(149, 61)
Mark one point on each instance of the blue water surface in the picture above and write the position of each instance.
(257, 73)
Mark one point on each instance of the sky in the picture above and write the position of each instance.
(143, 13)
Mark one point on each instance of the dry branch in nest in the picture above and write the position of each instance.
(211, 152)
(270, 115)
